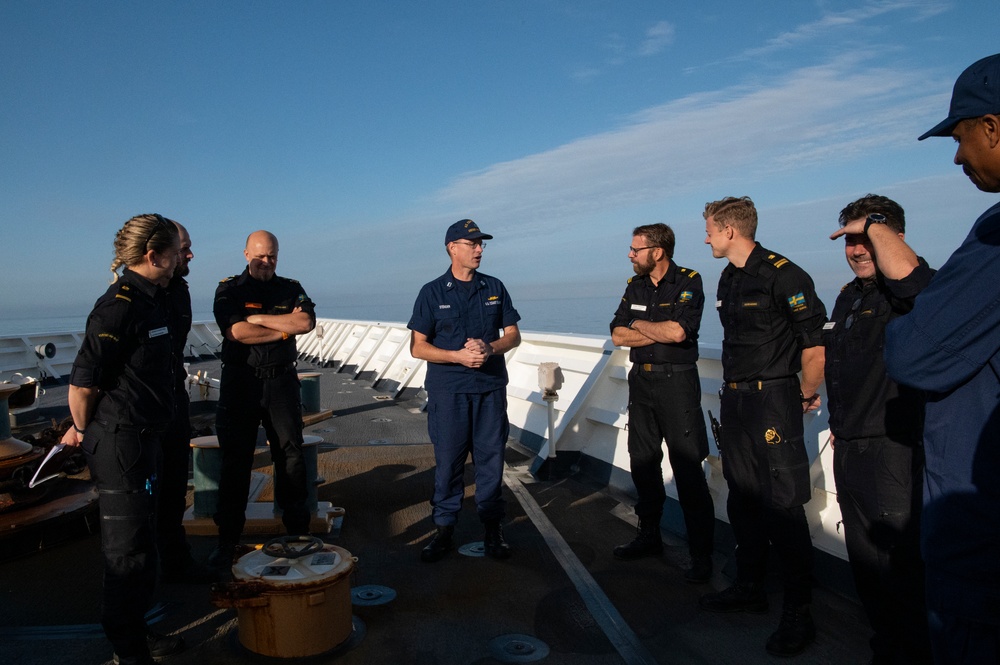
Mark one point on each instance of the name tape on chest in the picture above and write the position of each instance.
(158, 332)
(638, 308)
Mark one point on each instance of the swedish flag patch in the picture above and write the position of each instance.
(797, 302)
(686, 296)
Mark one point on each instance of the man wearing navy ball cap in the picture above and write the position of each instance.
(456, 327)
(949, 346)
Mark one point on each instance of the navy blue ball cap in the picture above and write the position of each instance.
(976, 93)
(465, 229)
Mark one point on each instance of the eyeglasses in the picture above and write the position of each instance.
(470, 243)
(636, 250)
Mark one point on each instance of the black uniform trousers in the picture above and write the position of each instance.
(667, 405)
(245, 402)
(766, 467)
(124, 464)
(880, 488)
(170, 536)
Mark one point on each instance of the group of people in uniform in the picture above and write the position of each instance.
(911, 361)
(128, 400)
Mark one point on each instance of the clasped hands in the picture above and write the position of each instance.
(474, 353)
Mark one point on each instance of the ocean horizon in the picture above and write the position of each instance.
(581, 315)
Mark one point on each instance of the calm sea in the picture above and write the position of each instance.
(588, 316)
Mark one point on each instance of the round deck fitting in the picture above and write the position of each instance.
(518, 648)
(372, 594)
(476, 549)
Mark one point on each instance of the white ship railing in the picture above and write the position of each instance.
(590, 414)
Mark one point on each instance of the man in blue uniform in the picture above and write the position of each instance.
(259, 314)
(456, 325)
(949, 346)
(773, 325)
(877, 427)
(659, 317)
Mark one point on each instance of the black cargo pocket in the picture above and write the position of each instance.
(789, 474)
(92, 438)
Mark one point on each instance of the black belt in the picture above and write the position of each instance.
(758, 385)
(665, 367)
(272, 371)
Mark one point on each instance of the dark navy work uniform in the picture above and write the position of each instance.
(769, 312)
(665, 403)
(949, 346)
(879, 463)
(126, 354)
(466, 407)
(259, 386)
(171, 540)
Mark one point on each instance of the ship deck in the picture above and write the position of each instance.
(562, 591)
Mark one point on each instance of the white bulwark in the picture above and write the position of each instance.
(588, 417)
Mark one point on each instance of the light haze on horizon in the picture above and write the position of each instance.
(357, 132)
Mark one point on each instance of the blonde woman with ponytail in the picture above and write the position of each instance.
(121, 399)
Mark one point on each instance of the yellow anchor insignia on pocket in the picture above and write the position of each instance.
(772, 437)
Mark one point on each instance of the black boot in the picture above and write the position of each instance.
(493, 541)
(222, 557)
(700, 570)
(795, 632)
(188, 571)
(647, 542)
(740, 597)
(439, 545)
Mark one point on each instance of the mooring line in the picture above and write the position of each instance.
(625, 641)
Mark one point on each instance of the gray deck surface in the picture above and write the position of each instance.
(378, 466)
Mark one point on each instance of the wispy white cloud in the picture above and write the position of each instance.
(622, 50)
(821, 115)
(838, 22)
(658, 37)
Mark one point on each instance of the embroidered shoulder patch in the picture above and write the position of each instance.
(797, 302)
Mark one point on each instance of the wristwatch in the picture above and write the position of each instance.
(874, 218)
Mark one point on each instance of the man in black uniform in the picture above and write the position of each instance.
(773, 325)
(259, 314)
(176, 563)
(877, 426)
(659, 317)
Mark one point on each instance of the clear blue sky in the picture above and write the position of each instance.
(358, 131)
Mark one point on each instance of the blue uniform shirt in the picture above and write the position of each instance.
(949, 346)
(450, 313)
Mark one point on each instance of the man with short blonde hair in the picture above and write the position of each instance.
(773, 324)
